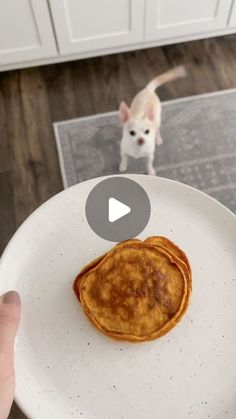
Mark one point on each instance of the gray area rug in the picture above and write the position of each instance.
(199, 147)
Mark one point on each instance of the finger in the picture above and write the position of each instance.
(10, 308)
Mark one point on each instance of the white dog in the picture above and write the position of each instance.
(142, 121)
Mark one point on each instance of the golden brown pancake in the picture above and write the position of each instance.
(137, 291)
(175, 250)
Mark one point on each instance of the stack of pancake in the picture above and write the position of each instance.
(137, 291)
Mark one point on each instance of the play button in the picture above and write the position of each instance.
(117, 209)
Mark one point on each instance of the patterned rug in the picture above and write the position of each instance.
(199, 146)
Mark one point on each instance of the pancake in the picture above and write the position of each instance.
(173, 249)
(138, 290)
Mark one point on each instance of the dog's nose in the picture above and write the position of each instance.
(140, 141)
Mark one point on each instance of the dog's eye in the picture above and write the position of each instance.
(132, 132)
(147, 131)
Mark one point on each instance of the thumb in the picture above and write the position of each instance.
(10, 308)
(9, 320)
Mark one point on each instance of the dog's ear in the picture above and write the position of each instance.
(150, 113)
(124, 112)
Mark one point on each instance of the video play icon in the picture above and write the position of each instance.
(117, 209)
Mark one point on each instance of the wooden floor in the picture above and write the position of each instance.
(31, 99)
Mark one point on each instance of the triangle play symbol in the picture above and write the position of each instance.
(116, 209)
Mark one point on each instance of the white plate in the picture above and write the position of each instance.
(66, 368)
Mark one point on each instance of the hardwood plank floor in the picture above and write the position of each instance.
(32, 99)
(7, 215)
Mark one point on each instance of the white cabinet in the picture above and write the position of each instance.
(175, 18)
(34, 32)
(89, 25)
(232, 21)
(26, 31)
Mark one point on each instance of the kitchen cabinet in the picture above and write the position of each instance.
(26, 31)
(174, 18)
(36, 32)
(232, 20)
(88, 25)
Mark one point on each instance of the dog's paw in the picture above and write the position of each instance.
(159, 140)
(151, 171)
(122, 167)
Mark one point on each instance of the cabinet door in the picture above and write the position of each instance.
(25, 31)
(89, 25)
(232, 19)
(172, 18)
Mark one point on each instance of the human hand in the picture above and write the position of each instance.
(10, 309)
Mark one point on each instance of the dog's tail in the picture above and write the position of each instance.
(174, 73)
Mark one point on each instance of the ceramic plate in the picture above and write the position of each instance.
(66, 368)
